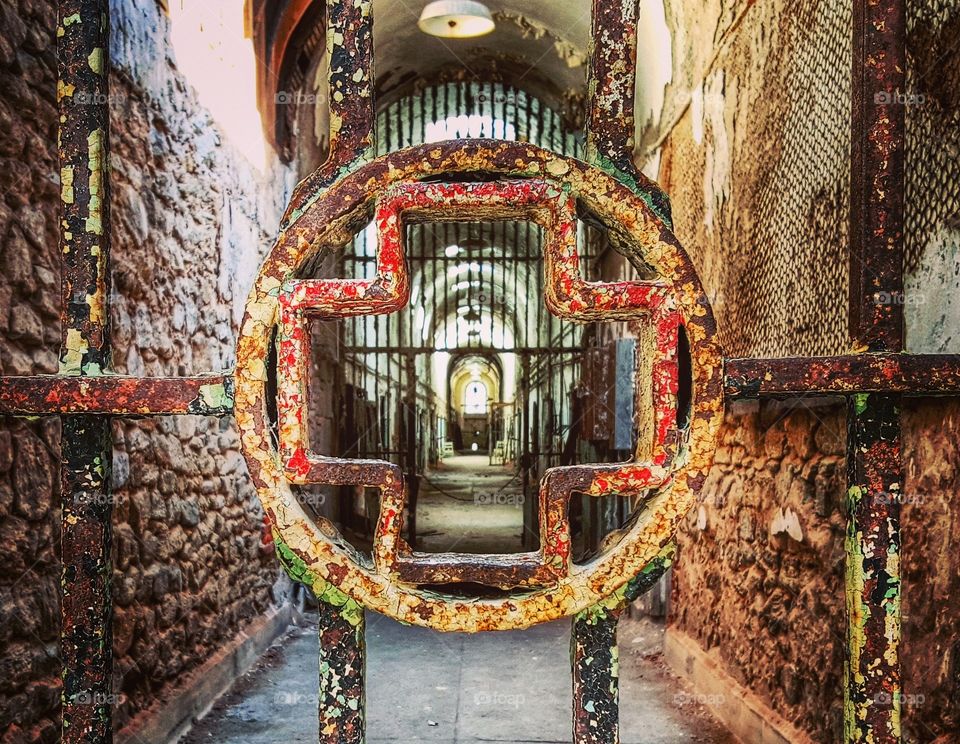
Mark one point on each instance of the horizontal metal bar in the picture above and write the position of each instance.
(912, 374)
(520, 350)
(118, 395)
(484, 259)
(212, 395)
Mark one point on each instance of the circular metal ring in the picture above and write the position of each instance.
(330, 219)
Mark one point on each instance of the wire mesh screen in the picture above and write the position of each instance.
(932, 218)
(758, 172)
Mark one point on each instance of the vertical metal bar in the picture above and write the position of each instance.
(519, 335)
(509, 264)
(491, 230)
(351, 100)
(432, 319)
(85, 235)
(596, 687)
(342, 700)
(612, 97)
(411, 137)
(594, 657)
(877, 175)
(523, 391)
(410, 464)
(875, 483)
(85, 631)
(612, 76)
(872, 693)
(446, 282)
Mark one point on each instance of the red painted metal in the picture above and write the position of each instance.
(567, 295)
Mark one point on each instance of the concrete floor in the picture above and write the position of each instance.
(426, 686)
(467, 505)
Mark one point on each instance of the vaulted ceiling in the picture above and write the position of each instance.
(540, 46)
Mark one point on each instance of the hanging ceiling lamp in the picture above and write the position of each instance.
(456, 19)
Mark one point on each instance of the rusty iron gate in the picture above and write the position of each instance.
(494, 266)
(523, 182)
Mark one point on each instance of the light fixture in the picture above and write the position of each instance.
(456, 19)
(451, 250)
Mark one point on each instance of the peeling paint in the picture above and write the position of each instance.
(94, 220)
(325, 223)
(566, 50)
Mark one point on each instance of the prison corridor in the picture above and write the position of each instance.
(468, 505)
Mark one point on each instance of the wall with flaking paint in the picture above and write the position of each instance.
(192, 218)
(754, 146)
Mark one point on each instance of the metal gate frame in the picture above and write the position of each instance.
(86, 395)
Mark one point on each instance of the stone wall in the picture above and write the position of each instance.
(759, 581)
(753, 146)
(931, 582)
(29, 341)
(192, 218)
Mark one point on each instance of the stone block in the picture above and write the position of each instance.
(17, 261)
(127, 546)
(120, 472)
(189, 513)
(6, 498)
(124, 627)
(33, 477)
(25, 325)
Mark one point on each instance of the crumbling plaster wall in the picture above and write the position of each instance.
(753, 147)
(191, 220)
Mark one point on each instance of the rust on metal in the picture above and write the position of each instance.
(341, 699)
(874, 490)
(874, 463)
(351, 103)
(117, 395)
(595, 657)
(917, 374)
(84, 228)
(611, 87)
(86, 609)
(877, 174)
(568, 295)
(330, 221)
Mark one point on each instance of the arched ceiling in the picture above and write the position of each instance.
(542, 45)
(539, 45)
